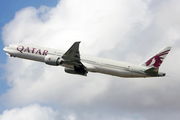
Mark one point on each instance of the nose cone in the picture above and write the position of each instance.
(5, 49)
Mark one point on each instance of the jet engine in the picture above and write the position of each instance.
(53, 60)
(74, 71)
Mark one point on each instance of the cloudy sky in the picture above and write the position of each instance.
(124, 30)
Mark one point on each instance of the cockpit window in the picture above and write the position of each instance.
(7, 46)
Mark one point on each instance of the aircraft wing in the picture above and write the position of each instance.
(72, 57)
(73, 53)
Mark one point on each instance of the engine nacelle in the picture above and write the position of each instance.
(73, 71)
(52, 60)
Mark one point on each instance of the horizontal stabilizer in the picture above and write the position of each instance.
(152, 70)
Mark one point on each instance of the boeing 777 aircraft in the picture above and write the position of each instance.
(75, 63)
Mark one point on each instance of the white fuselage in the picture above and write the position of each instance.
(93, 64)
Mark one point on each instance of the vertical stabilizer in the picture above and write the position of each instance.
(157, 59)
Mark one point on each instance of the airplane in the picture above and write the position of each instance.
(75, 63)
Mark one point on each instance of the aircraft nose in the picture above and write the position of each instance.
(5, 49)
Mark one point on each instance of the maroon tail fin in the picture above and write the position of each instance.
(157, 59)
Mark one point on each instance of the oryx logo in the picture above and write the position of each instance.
(156, 60)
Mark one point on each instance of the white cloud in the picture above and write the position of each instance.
(31, 112)
(91, 22)
(120, 29)
(37, 112)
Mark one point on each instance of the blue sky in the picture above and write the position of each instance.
(8, 8)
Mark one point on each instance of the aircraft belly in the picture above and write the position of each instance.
(110, 71)
(28, 56)
(119, 72)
